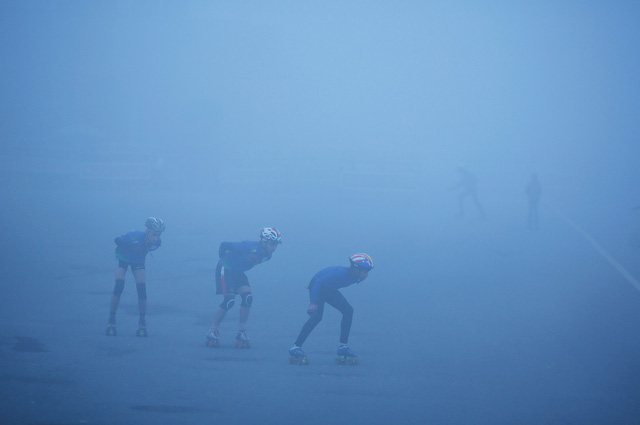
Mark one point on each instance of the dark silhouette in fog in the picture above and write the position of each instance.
(235, 258)
(324, 288)
(131, 251)
(533, 191)
(467, 187)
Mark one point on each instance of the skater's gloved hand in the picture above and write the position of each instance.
(312, 309)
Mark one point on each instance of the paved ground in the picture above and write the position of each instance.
(481, 323)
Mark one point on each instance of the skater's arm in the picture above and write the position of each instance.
(124, 240)
(155, 245)
(224, 247)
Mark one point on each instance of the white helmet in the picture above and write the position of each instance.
(155, 224)
(270, 234)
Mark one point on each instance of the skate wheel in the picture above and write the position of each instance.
(300, 361)
(347, 360)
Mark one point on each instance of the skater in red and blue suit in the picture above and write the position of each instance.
(235, 259)
(325, 288)
(131, 251)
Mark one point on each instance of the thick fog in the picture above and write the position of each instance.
(350, 127)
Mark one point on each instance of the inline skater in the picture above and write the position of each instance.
(131, 250)
(324, 288)
(235, 258)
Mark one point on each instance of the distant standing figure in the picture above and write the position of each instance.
(131, 250)
(467, 186)
(235, 258)
(533, 191)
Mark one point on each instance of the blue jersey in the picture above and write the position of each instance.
(132, 247)
(330, 279)
(241, 256)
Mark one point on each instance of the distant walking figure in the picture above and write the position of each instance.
(533, 191)
(467, 186)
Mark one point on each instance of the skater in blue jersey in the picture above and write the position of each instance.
(235, 259)
(131, 250)
(324, 288)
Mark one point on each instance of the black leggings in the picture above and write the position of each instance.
(336, 300)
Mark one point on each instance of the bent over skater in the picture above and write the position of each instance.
(131, 250)
(235, 259)
(324, 288)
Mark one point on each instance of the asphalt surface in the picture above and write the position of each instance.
(483, 323)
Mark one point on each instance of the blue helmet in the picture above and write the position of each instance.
(362, 261)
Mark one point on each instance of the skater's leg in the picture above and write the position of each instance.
(115, 300)
(244, 316)
(310, 324)
(225, 305)
(117, 292)
(532, 218)
(340, 303)
(141, 286)
(245, 305)
(476, 201)
(461, 197)
(219, 316)
(120, 272)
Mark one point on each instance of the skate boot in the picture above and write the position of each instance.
(142, 329)
(242, 340)
(111, 329)
(346, 356)
(297, 356)
(213, 338)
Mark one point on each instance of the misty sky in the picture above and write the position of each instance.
(505, 88)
